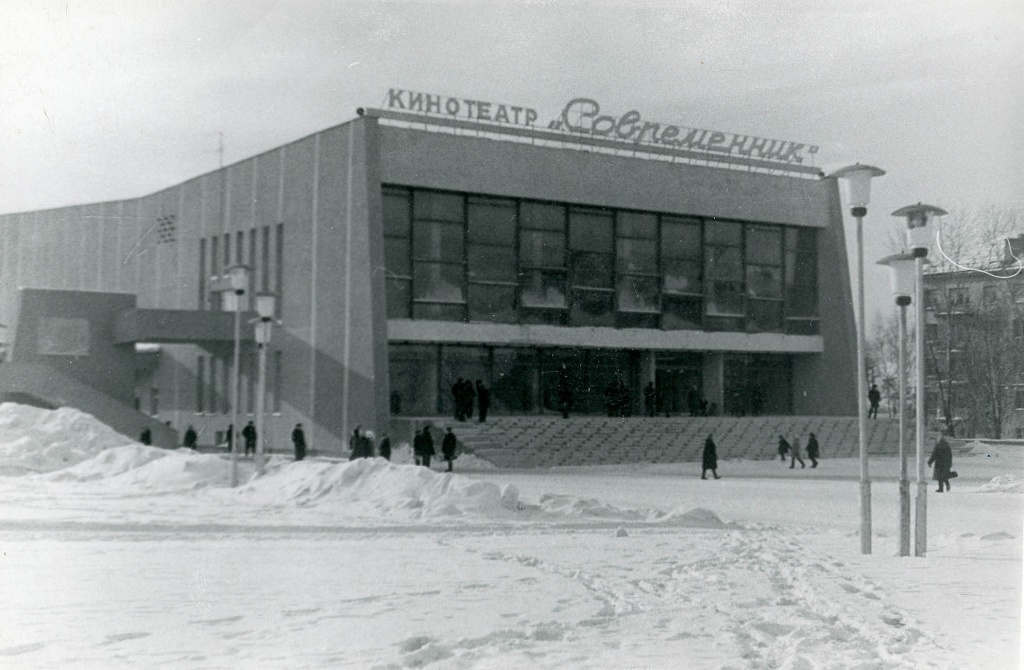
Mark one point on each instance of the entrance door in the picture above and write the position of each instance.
(674, 385)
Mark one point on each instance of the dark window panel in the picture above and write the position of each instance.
(725, 298)
(492, 221)
(492, 302)
(764, 316)
(764, 281)
(487, 263)
(724, 263)
(681, 276)
(764, 245)
(432, 206)
(638, 294)
(542, 249)
(590, 230)
(591, 269)
(723, 323)
(802, 301)
(723, 233)
(592, 308)
(396, 256)
(681, 313)
(412, 378)
(542, 288)
(801, 269)
(439, 282)
(802, 240)
(438, 311)
(637, 255)
(637, 320)
(544, 317)
(396, 213)
(637, 224)
(438, 241)
(680, 238)
(541, 216)
(398, 297)
(801, 326)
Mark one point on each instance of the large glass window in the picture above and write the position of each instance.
(412, 378)
(764, 278)
(491, 224)
(591, 264)
(801, 281)
(636, 265)
(438, 256)
(397, 252)
(682, 289)
(542, 271)
(723, 270)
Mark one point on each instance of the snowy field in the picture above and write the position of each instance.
(120, 555)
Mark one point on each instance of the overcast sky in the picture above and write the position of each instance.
(111, 100)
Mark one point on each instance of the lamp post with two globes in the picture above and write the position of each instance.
(919, 237)
(858, 178)
(901, 268)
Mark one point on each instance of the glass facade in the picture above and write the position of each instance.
(476, 258)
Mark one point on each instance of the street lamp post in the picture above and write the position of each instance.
(265, 303)
(902, 276)
(238, 277)
(858, 178)
(919, 237)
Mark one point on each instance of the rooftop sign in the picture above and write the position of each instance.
(582, 116)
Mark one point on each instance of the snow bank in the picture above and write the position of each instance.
(42, 440)
(1003, 484)
(376, 487)
(136, 467)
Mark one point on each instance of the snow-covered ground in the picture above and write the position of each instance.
(120, 555)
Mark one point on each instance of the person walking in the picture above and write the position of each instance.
(813, 450)
(783, 448)
(650, 398)
(428, 447)
(369, 444)
(384, 448)
(874, 399)
(355, 443)
(190, 437)
(941, 461)
(795, 455)
(709, 460)
(249, 433)
(146, 436)
(483, 400)
(230, 437)
(448, 445)
(299, 442)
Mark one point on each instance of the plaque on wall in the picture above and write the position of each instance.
(61, 336)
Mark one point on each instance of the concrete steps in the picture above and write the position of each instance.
(546, 441)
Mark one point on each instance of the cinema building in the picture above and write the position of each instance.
(411, 246)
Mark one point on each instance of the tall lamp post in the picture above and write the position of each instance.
(902, 276)
(919, 237)
(858, 178)
(265, 303)
(238, 277)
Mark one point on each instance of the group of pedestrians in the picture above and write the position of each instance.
(813, 451)
(465, 395)
(423, 447)
(361, 444)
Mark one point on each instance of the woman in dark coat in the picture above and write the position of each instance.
(942, 457)
(813, 450)
(384, 448)
(448, 445)
(710, 461)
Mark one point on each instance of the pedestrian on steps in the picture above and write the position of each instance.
(783, 448)
(710, 459)
(795, 455)
(813, 450)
